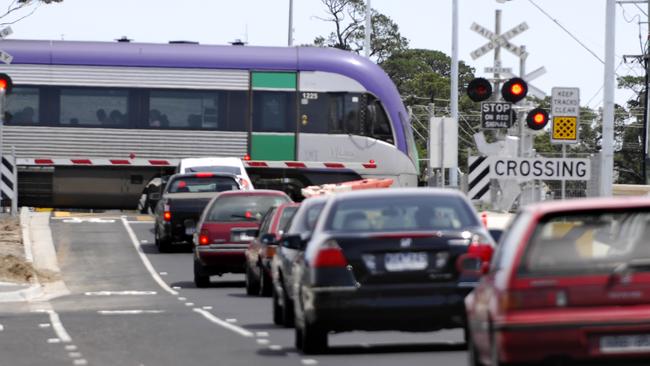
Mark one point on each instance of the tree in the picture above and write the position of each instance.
(423, 77)
(21, 9)
(628, 131)
(348, 17)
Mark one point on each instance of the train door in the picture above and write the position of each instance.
(273, 108)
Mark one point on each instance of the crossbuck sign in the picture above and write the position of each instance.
(501, 40)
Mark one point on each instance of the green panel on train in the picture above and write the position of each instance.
(273, 134)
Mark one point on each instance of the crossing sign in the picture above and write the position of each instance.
(499, 40)
(565, 109)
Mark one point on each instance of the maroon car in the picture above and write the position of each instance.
(262, 249)
(569, 282)
(228, 223)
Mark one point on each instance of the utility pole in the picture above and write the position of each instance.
(366, 43)
(647, 103)
(290, 42)
(453, 170)
(497, 53)
(607, 150)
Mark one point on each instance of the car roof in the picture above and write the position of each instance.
(586, 204)
(397, 192)
(211, 161)
(255, 192)
(193, 174)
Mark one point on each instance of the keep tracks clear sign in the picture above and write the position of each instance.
(539, 168)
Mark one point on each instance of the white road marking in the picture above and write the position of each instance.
(145, 260)
(57, 326)
(189, 304)
(2, 327)
(275, 347)
(129, 312)
(176, 287)
(140, 222)
(163, 273)
(71, 347)
(237, 329)
(120, 293)
(74, 354)
(53, 340)
(261, 334)
(144, 241)
(262, 341)
(207, 308)
(80, 362)
(231, 320)
(309, 361)
(94, 220)
(44, 325)
(182, 298)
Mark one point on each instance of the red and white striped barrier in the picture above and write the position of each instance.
(346, 187)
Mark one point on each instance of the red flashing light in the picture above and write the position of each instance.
(5, 83)
(537, 119)
(247, 157)
(372, 161)
(167, 216)
(514, 90)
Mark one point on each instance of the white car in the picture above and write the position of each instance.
(221, 165)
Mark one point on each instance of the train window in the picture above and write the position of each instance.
(187, 109)
(22, 106)
(94, 107)
(376, 121)
(274, 111)
(344, 113)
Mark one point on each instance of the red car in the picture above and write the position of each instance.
(569, 281)
(262, 249)
(228, 223)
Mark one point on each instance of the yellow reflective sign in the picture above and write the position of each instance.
(565, 128)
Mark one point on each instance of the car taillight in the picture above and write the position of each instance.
(533, 299)
(481, 248)
(204, 238)
(167, 216)
(330, 255)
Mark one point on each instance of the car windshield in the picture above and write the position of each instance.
(217, 169)
(587, 242)
(243, 208)
(203, 184)
(398, 213)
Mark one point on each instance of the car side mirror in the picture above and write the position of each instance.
(267, 239)
(295, 242)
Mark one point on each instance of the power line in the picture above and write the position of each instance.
(567, 32)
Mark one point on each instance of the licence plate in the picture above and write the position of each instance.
(237, 236)
(625, 343)
(405, 261)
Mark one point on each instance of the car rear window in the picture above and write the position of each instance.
(591, 242)
(216, 169)
(203, 184)
(399, 213)
(243, 208)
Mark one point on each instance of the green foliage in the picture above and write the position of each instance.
(348, 17)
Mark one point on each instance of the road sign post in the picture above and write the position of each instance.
(565, 109)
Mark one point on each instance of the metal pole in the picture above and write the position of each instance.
(607, 151)
(522, 72)
(366, 43)
(647, 105)
(563, 181)
(430, 146)
(290, 42)
(497, 53)
(2, 119)
(14, 199)
(442, 153)
(453, 170)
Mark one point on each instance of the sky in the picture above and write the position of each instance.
(425, 23)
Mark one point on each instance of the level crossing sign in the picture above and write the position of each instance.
(565, 109)
(499, 40)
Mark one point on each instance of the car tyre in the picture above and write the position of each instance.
(298, 338)
(201, 280)
(277, 309)
(313, 338)
(163, 246)
(266, 284)
(252, 284)
(473, 357)
(287, 310)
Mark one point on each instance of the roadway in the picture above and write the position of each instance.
(130, 305)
